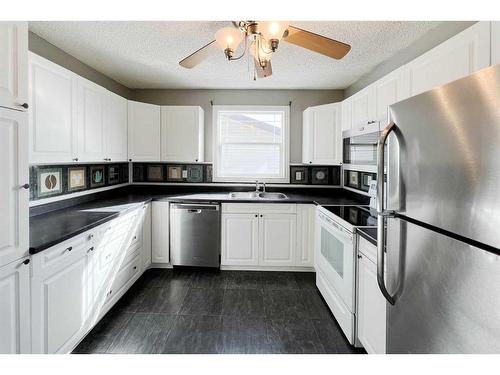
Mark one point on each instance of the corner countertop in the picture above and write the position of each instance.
(52, 227)
(369, 234)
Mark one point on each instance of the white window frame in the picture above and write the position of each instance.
(285, 178)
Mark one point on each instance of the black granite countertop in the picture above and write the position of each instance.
(368, 233)
(53, 223)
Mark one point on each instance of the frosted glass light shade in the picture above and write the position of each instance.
(228, 38)
(273, 30)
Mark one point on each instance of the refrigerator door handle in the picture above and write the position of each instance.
(382, 213)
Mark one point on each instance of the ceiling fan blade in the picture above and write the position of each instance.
(263, 72)
(198, 56)
(317, 43)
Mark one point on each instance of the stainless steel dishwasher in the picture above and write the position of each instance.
(195, 234)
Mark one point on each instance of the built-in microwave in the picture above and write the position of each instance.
(360, 145)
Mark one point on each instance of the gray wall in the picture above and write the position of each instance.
(301, 99)
(50, 52)
(442, 32)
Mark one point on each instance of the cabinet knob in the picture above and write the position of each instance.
(90, 250)
(261, 215)
(135, 237)
(91, 236)
(310, 162)
(196, 160)
(256, 215)
(25, 105)
(69, 248)
(135, 267)
(359, 256)
(129, 159)
(75, 159)
(26, 261)
(25, 186)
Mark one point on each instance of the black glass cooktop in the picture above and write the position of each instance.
(358, 216)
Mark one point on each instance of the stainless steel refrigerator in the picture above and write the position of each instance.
(441, 278)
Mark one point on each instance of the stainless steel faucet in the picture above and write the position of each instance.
(258, 184)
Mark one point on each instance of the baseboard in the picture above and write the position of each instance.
(267, 268)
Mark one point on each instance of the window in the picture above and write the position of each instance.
(251, 143)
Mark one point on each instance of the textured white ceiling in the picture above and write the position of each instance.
(146, 54)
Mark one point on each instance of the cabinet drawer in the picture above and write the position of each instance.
(367, 248)
(126, 273)
(243, 208)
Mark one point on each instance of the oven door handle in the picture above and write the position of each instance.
(382, 213)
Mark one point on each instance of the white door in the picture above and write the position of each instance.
(143, 131)
(278, 239)
(371, 308)
(146, 236)
(182, 133)
(53, 112)
(115, 128)
(14, 194)
(362, 108)
(91, 103)
(60, 302)
(306, 214)
(14, 65)
(495, 42)
(160, 246)
(455, 58)
(15, 307)
(240, 239)
(389, 90)
(322, 135)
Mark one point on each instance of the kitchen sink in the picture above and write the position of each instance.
(256, 195)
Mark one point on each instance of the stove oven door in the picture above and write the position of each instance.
(335, 258)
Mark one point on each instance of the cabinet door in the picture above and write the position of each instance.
(182, 133)
(495, 42)
(115, 131)
(91, 102)
(306, 214)
(371, 308)
(160, 245)
(323, 138)
(346, 114)
(362, 108)
(14, 198)
(15, 308)
(455, 58)
(53, 112)
(146, 236)
(240, 239)
(60, 303)
(389, 90)
(278, 239)
(143, 132)
(13, 64)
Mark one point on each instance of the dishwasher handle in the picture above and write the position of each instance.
(195, 208)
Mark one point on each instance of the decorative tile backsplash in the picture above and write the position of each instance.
(198, 173)
(53, 180)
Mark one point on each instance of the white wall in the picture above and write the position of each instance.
(301, 99)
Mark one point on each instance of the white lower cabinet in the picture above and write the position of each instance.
(15, 308)
(160, 233)
(146, 236)
(240, 239)
(371, 309)
(76, 282)
(265, 235)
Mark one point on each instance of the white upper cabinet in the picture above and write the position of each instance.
(14, 197)
(362, 108)
(143, 131)
(182, 133)
(455, 58)
(53, 112)
(91, 102)
(115, 128)
(14, 65)
(346, 114)
(391, 89)
(495, 42)
(321, 135)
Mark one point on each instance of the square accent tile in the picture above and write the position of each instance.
(49, 181)
(97, 178)
(77, 178)
(155, 173)
(299, 175)
(114, 174)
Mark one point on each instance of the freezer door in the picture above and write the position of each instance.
(446, 171)
(447, 293)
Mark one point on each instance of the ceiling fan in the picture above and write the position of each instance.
(261, 39)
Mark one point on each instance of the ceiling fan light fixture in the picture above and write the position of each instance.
(273, 31)
(228, 39)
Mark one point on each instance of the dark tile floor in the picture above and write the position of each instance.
(196, 311)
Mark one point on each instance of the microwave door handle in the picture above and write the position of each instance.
(382, 213)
